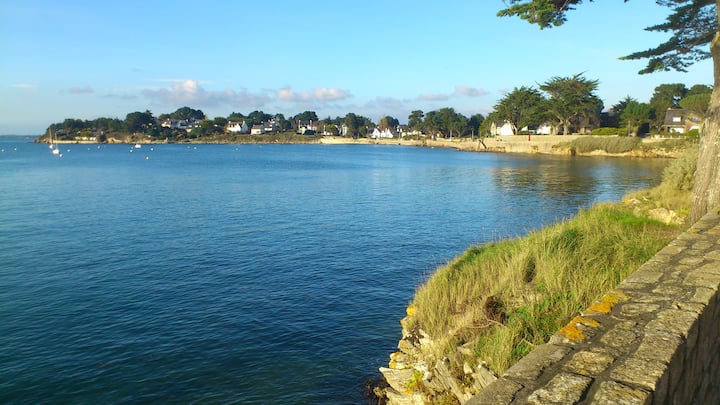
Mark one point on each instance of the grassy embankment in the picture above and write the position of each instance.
(501, 299)
(623, 145)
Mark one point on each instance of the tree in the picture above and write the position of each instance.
(306, 116)
(521, 107)
(139, 121)
(697, 103)
(697, 99)
(388, 122)
(474, 123)
(694, 25)
(634, 115)
(415, 120)
(571, 98)
(187, 113)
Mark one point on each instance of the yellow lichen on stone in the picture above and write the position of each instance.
(586, 321)
(411, 310)
(607, 302)
(571, 330)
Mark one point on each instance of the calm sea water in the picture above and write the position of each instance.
(245, 274)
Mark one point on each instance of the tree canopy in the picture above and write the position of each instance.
(693, 24)
(524, 106)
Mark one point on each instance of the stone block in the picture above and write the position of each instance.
(659, 345)
(589, 363)
(611, 392)
(703, 279)
(633, 309)
(621, 337)
(501, 392)
(646, 275)
(644, 373)
(563, 388)
(703, 295)
(531, 366)
(673, 320)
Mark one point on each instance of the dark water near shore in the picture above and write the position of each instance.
(245, 274)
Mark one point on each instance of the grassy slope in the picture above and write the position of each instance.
(501, 299)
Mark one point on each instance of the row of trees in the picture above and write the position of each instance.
(570, 104)
(565, 103)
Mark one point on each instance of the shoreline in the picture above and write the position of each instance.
(536, 144)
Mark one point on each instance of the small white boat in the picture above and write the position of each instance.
(138, 146)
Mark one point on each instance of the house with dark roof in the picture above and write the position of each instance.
(679, 120)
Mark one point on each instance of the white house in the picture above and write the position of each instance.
(237, 127)
(257, 129)
(505, 129)
(385, 133)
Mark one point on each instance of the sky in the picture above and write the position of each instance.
(89, 59)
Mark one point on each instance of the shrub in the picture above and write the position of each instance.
(615, 144)
(606, 131)
(680, 174)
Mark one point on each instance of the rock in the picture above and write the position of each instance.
(666, 216)
(398, 379)
(397, 398)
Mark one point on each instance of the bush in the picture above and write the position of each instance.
(607, 131)
(693, 135)
(680, 174)
(589, 144)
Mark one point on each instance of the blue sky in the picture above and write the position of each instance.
(90, 59)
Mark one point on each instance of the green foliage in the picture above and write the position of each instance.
(524, 106)
(693, 135)
(680, 174)
(607, 131)
(697, 103)
(693, 24)
(587, 144)
(571, 98)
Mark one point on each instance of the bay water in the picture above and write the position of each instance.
(251, 274)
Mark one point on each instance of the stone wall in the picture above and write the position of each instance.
(655, 339)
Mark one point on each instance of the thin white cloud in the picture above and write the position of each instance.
(321, 94)
(330, 94)
(24, 86)
(81, 90)
(470, 91)
(433, 97)
(190, 93)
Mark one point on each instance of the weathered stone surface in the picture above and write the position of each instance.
(659, 345)
(564, 388)
(483, 377)
(632, 310)
(589, 363)
(673, 320)
(641, 372)
(646, 275)
(621, 337)
(397, 398)
(398, 379)
(703, 295)
(501, 393)
(703, 279)
(530, 367)
(611, 392)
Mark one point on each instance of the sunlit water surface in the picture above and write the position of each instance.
(245, 274)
